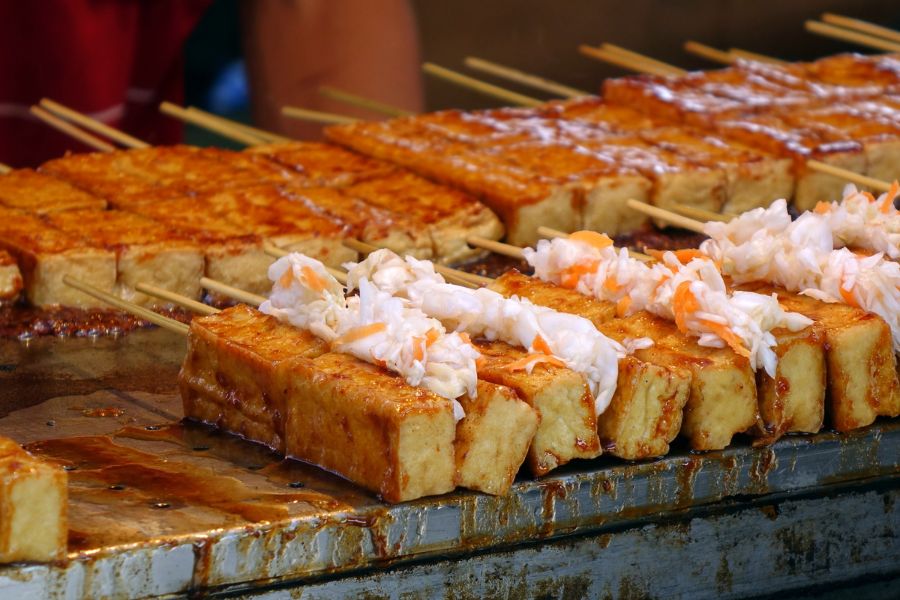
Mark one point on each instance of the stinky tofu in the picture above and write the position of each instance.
(146, 251)
(235, 375)
(874, 72)
(645, 414)
(860, 362)
(568, 425)
(10, 277)
(45, 255)
(371, 427)
(39, 194)
(801, 143)
(324, 165)
(33, 507)
(493, 439)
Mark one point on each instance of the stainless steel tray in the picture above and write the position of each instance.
(159, 508)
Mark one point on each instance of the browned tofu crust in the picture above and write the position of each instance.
(38, 193)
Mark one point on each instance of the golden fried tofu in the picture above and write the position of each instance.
(645, 413)
(371, 224)
(146, 251)
(493, 438)
(236, 375)
(860, 360)
(324, 165)
(371, 427)
(10, 277)
(39, 194)
(45, 255)
(33, 507)
(568, 425)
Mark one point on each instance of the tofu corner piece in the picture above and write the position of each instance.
(493, 439)
(371, 427)
(46, 255)
(33, 507)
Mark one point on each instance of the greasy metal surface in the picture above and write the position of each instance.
(780, 547)
(169, 509)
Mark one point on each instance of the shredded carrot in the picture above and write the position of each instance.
(287, 277)
(540, 344)
(569, 277)
(432, 336)
(465, 337)
(358, 333)
(379, 362)
(611, 284)
(729, 337)
(686, 255)
(419, 345)
(848, 296)
(888, 202)
(868, 196)
(597, 240)
(683, 304)
(822, 207)
(313, 278)
(622, 306)
(533, 359)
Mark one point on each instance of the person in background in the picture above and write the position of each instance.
(116, 60)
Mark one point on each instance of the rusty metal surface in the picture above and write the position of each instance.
(160, 509)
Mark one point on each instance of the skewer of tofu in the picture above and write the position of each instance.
(861, 26)
(835, 288)
(849, 35)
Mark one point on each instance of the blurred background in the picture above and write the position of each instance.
(542, 38)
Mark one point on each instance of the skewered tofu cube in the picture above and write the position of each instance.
(325, 165)
(370, 427)
(235, 375)
(146, 251)
(493, 438)
(39, 194)
(33, 507)
(568, 426)
(861, 365)
(45, 255)
(10, 277)
(873, 72)
(645, 414)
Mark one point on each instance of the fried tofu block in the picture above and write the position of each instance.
(645, 414)
(371, 224)
(45, 255)
(33, 507)
(568, 426)
(293, 226)
(324, 165)
(233, 253)
(235, 375)
(10, 277)
(146, 251)
(493, 438)
(801, 143)
(872, 72)
(39, 194)
(523, 201)
(448, 215)
(861, 365)
(794, 400)
(370, 427)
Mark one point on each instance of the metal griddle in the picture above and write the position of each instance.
(158, 508)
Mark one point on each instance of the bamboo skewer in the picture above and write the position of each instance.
(851, 176)
(362, 102)
(144, 313)
(232, 292)
(665, 215)
(510, 74)
(620, 60)
(701, 214)
(316, 116)
(709, 53)
(262, 134)
(4, 169)
(92, 124)
(71, 130)
(195, 118)
(488, 89)
(642, 58)
(862, 26)
(183, 301)
(848, 35)
(496, 247)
